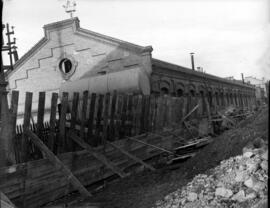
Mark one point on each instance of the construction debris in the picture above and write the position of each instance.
(240, 181)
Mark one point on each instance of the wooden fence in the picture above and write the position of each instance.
(99, 123)
(99, 117)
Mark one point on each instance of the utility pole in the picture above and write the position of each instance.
(10, 48)
(6, 140)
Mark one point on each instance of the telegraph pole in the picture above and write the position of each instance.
(6, 140)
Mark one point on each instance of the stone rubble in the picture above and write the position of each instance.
(239, 182)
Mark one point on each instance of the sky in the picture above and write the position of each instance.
(228, 37)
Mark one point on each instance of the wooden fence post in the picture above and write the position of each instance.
(74, 111)
(123, 116)
(118, 115)
(134, 115)
(83, 114)
(152, 112)
(62, 143)
(26, 125)
(146, 113)
(52, 133)
(105, 119)
(112, 117)
(129, 115)
(40, 116)
(99, 118)
(142, 114)
(91, 119)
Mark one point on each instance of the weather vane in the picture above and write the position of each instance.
(70, 7)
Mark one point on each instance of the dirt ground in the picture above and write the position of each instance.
(144, 189)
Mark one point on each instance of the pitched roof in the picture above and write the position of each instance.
(75, 22)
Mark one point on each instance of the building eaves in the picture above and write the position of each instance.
(170, 66)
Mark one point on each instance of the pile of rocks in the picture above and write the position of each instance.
(240, 181)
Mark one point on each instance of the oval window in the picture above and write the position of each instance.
(65, 65)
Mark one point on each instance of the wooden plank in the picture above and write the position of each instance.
(123, 116)
(99, 118)
(129, 115)
(91, 119)
(5, 201)
(146, 113)
(84, 166)
(112, 117)
(74, 112)
(52, 133)
(13, 114)
(105, 119)
(40, 116)
(58, 164)
(159, 119)
(26, 125)
(134, 115)
(142, 115)
(83, 114)
(97, 155)
(153, 112)
(189, 113)
(62, 124)
(118, 115)
(132, 156)
(169, 109)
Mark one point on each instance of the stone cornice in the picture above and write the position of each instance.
(180, 69)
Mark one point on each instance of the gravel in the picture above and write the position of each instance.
(239, 181)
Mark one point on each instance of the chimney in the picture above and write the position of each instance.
(243, 80)
(192, 61)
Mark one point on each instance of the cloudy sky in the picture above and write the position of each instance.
(228, 37)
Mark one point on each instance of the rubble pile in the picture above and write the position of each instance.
(239, 182)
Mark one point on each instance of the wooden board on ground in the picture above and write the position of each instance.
(58, 164)
(97, 155)
(132, 156)
(46, 183)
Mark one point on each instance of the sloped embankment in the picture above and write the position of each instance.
(240, 181)
(145, 189)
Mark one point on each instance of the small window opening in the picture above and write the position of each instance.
(164, 91)
(179, 93)
(192, 93)
(65, 65)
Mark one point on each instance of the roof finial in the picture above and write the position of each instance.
(70, 7)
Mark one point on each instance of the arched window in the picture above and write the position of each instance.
(179, 93)
(164, 91)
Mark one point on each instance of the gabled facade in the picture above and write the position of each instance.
(67, 53)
